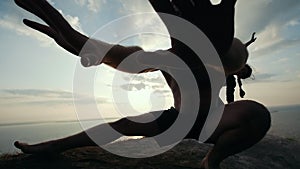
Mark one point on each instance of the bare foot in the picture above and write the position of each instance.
(205, 164)
(42, 148)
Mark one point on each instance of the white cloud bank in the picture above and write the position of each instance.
(92, 5)
(14, 23)
(271, 20)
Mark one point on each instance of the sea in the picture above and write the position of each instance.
(285, 123)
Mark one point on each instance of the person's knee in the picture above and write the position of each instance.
(120, 125)
(260, 118)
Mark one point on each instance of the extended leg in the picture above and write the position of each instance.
(243, 124)
(124, 126)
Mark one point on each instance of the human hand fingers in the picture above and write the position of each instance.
(40, 27)
(51, 33)
(253, 37)
(59, 29)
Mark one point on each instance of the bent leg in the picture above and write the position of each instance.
(244, 123)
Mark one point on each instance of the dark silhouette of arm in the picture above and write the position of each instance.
(68, 38)
(216, 21)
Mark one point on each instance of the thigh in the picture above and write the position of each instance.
(162, 119)
(149, 125)
(240, 114)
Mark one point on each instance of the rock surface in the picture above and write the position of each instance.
(271, 153)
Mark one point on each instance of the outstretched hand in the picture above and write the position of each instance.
(51, 33)
(58, 28)
(252, 40)
(65, 36)
(253, 37)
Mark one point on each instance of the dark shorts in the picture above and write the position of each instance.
(163, 121)
(168, 117)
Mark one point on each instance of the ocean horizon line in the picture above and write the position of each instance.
(55, 121)
(273, 109)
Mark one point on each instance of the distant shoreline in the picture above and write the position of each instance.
(54, 121)
(273, 109)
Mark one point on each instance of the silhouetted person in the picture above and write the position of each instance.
(243, 123)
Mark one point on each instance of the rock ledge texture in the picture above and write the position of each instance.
(271, 153)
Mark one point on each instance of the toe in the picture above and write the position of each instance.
(21, 146)
(17, 144)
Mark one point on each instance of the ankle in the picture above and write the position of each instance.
(210, 161)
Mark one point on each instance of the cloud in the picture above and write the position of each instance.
(13, 22)
(39, 92)
(282, 60)
(272, 40)
(271, 20)
(152, 42)
(46, 97)
(264, 77)
(164, 92)
(135, 6)
(256, 15)
(153, 34)
(158, 86)
(80, 2)
(73, 21)
(92, 5)
(133, 87)
(153, 81)
(35, 97)
(293, 22)
(271, 78)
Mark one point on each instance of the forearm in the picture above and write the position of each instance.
(118, 53)
(96, 52)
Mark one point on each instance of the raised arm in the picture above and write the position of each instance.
(216, 21)
(58, 28)
(68, 38)
(252, 40)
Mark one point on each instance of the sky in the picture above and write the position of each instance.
(37, 75)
